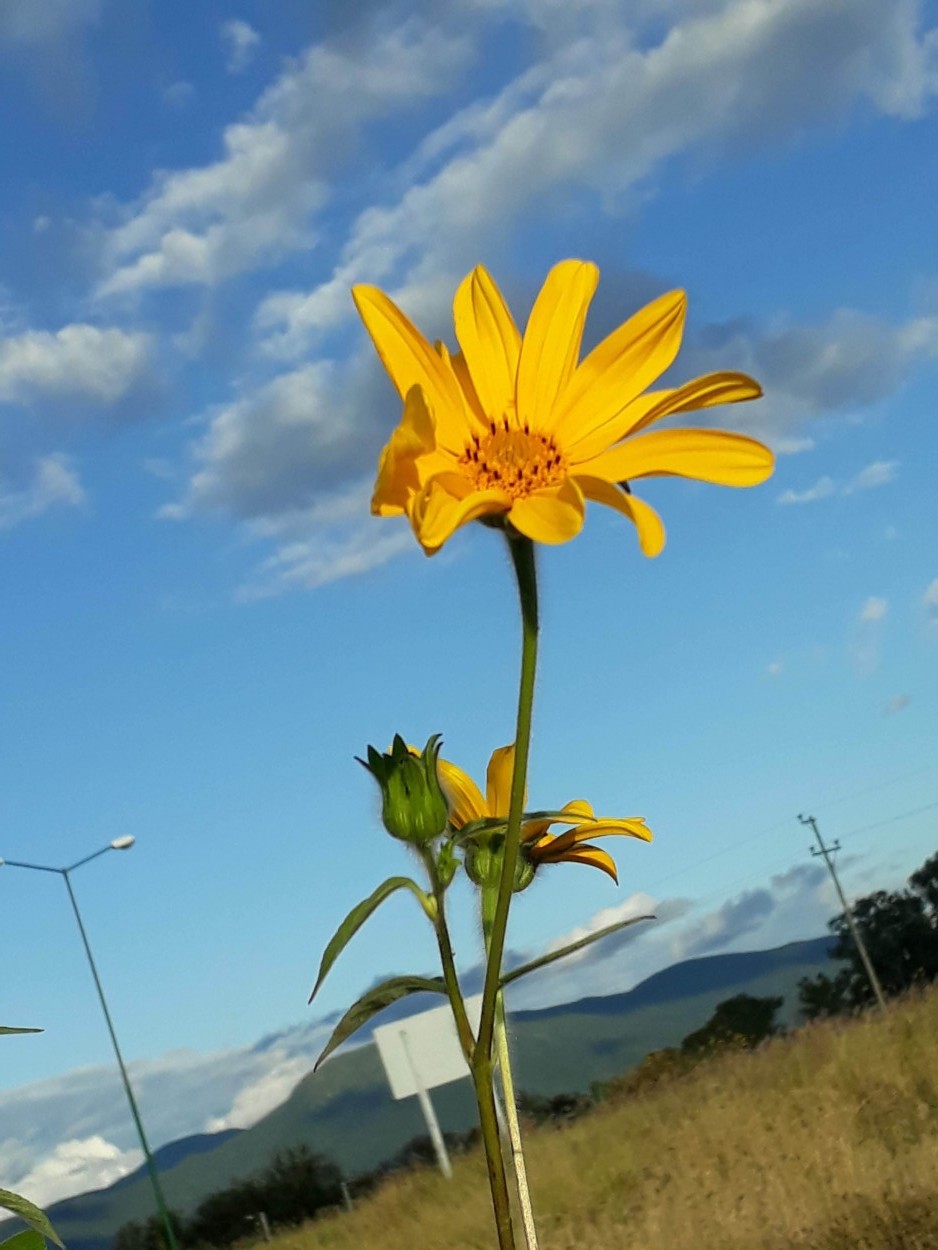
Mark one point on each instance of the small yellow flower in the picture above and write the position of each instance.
(539, 845)
(521, 428)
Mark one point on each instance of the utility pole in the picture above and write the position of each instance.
(826, 853)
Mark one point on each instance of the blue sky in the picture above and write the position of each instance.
(201, 624)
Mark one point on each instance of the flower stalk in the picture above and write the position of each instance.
(522, 556)
(496, 904)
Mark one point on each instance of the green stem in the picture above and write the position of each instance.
(503, 1058)
(481, 1071)
(491, 1140)
(448, 962)
(522, 556)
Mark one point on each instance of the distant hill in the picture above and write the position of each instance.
(174, 1152)
(346, 1111)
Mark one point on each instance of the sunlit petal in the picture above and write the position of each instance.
(554, 515)
(593, 857)
(489, 340)
(648, 523)
(706, 455)
(619, 369)
(552, 338)
(702, 392)
(438, 511)
(498, 780)
(465, 797)
(411, 361)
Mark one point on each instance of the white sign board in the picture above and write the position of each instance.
(423, 1051)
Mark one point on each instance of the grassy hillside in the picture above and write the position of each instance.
(346, 1111)
(827, 1140)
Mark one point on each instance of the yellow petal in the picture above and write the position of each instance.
(619, 369)
(498, 780)
(465, 797)
(411, 361)
(457, 363)
(489, 339)
(552, 515)
(411, 449)
(551, 344)
(534, 830)
(447, 502)
(593, 857)
(579, 809)
(707, 455)
(703, 392)
(633, 828)
(651, 533)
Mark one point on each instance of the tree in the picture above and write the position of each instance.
(900, 932)
(744, 1020)
(148, 1235)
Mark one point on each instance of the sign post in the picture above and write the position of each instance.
(421, 1053)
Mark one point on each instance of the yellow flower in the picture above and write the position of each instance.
(539, 845)
(520, 428)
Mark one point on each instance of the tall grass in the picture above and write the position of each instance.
(827, 1139)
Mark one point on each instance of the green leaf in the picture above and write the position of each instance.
(568, 950)
(376, 1000)
(5, 1029)
(357, 917)
(30, 1214)
(28, 1239)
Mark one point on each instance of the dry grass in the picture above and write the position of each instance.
(827, 1141)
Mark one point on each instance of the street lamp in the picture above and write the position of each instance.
(118, 844)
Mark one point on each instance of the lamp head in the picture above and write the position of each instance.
(123, 844)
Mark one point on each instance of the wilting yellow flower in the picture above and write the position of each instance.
(539, 845)
(521, 428)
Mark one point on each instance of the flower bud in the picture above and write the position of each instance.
(524, 873)
(483, 865)
(413, 805)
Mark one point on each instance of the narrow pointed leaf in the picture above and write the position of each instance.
(376, 1000)
(357, 917)
(28, 1239)
(568, 950)
(30, 1214)
(6, 1029)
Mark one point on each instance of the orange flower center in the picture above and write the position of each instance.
(516, 461)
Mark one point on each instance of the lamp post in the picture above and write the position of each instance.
(118, 844)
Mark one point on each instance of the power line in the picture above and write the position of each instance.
(826, 853)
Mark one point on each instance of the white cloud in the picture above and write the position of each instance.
(77, 1166)
(327, 554)
(78, 360)
(867, 635)
(44, 21)
(71, 1133)
(775, 668)
(240, 40)
(55, 484)
(874, 609)
(599, 113)
(254, 1101)
(292, 444)
(821, 489)
(178, 94)
(930, 601)
(879, 473)
(204, 224)
(808, 372)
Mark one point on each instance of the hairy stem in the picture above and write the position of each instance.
(503, 1059)
(522, 556)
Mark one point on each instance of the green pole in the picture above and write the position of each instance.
(151, 1166)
